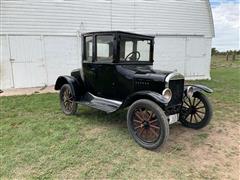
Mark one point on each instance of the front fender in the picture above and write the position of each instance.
(156, 97)
(72, 81)
(199, 88)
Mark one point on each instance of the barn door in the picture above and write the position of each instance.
(195, 65)
(27, 61)
(169, 53)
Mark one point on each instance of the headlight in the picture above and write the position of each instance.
(189, 91)
(167, 93)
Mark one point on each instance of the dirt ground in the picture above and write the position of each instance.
(27, 91)
(213, 153)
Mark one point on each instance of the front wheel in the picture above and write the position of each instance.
(196, 112)
(147, 123)
(68, 105)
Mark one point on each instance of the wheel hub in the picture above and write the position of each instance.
(146, 124)
(193, 110)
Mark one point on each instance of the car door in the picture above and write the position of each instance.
(105, 68)
(99, 70)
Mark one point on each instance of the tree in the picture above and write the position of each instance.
(214, 51)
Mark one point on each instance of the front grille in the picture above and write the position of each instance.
(177, 88)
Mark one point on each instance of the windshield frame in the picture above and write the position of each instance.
(135, 37)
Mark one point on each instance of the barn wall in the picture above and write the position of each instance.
(189, 55)
(67, 17)
(39, 60)
(5, 65)
(39, 39)
(31, 61)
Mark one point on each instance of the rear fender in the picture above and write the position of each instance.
(199, 88)
(153, 96)
(73, 82)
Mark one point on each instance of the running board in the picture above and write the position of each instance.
(103, 104)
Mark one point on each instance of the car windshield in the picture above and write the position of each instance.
(134, 49)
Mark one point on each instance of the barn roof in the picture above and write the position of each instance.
(153, 17)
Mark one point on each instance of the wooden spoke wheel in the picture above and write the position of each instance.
(196, 111)
(68, 105)
(147, 123)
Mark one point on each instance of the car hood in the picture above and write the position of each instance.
(143, 72)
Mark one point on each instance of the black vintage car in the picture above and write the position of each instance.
(117, 73)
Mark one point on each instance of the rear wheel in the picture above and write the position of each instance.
(68, 105)
(196, 111)
(147, 123)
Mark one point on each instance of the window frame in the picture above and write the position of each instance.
(117, 35)
(131, 37)
(84, 53)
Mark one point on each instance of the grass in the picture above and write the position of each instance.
(38, 141)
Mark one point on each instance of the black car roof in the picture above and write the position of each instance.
(120, 32)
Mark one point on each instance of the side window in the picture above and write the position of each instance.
(104, 48)
(88, 48)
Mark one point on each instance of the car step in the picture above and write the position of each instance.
(107, 105)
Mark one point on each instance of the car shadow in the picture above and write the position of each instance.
(118, 121)
(115, 118)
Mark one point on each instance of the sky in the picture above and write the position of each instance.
(226, 22)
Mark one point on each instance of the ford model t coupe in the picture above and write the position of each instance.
(117, 73)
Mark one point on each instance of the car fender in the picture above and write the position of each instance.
(74, 84)
(151, 95)
(199, 88)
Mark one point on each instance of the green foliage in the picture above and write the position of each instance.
(231, 52)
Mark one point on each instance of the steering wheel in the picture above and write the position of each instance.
(131, 54)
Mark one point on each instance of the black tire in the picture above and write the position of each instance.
(196, 111)
(146, 117)
(68, 105)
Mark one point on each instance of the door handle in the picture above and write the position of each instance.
(11, 60)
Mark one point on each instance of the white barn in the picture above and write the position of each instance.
(40, 40)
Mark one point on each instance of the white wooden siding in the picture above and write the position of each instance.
(39, 60)
(170, 53)
(190, 56)
(39, 39)
(6, 80)
(170, 17)
(61, 55)
(27, 61)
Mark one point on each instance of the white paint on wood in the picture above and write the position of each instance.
(42, 36)
(170, 53)
(148, 17)
(27, 61)
(6, 80)
(61, 56)
(190, 56)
